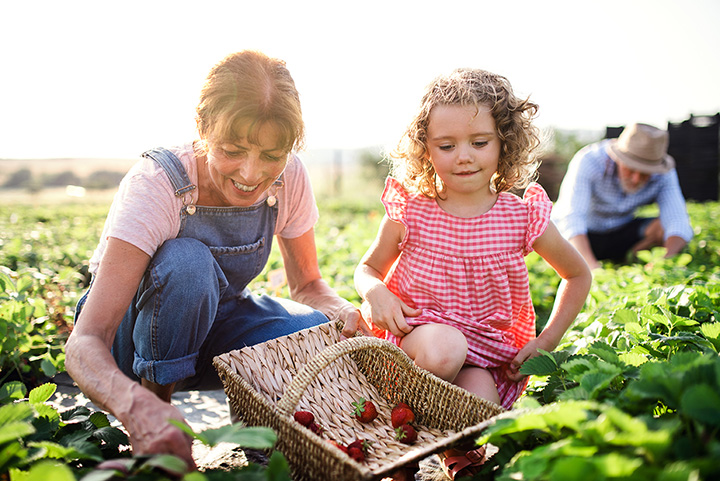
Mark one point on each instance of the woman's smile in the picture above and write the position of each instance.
(243, 187)
(239, 171)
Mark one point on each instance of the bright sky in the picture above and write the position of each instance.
(112, 79)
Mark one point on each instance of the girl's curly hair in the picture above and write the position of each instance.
(519, 137)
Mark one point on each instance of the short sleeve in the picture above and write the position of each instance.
(539, 208)
(297, 209)
(395, 199)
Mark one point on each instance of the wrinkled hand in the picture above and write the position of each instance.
(149, 429)
(353, 322)
(387, 311)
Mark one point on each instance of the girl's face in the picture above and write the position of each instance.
(464, 148)
(239, 172)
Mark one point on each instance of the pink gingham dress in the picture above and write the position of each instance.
(470, 273)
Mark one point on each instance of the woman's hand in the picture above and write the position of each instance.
(354, 321)
(147, 422)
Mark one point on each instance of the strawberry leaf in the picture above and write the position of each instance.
(701, 403)
(542, 365)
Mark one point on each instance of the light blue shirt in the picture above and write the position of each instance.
(591, 198)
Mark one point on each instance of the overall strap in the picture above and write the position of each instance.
(174, 169)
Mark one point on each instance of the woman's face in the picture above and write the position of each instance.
(239, 172)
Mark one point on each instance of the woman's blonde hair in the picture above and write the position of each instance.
(520, 139)
(250, 90)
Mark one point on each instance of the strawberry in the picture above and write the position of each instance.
(406, 434)
(364, 411)
(358, 449)
(304, 417)
(363, 444)
(356, 454)
(316, 428)
(342, 448)
(401, 414)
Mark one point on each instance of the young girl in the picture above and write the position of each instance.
(446, 279)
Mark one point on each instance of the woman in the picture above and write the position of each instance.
(189, 228)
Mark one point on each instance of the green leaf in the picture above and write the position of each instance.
(111, 436)
(104, 475)
(573, 469)
(255, 437)
(15, 430)
(42, 393)
(576, 366)
(278, 468)
(57, 451)
(193, 476)
(617, 465)
(15, 412)
(711, 331)
(170, 464)
(99, 419)
(6, 284)
(624, 316)
(604, 352)
(596, 382)
(701, 403)
(12, 391)
(633, 358)
(48, 368)
(542, 365)
(50, 470)
(78, 414)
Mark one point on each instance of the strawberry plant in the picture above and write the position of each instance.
(32, 328)
(39, 443)
(631, 393)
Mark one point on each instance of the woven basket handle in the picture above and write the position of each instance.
(302, 380)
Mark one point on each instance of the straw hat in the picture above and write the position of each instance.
(643, 148)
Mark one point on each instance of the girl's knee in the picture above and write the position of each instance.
(441, 350)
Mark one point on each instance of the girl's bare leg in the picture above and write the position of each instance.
(439, 348)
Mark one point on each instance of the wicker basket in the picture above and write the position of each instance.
(314, 370)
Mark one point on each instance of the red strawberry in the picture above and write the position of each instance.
(361, 444)
(356, 454)
(406, 434)
(342, 448)
(401, 414)
(316, 428)
(304, 417)
(364, 411)
(358, 449)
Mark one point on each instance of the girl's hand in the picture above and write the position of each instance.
(528, 351)
(387, 311)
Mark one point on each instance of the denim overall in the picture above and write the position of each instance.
(193, 302)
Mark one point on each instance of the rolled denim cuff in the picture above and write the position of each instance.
(166, 371)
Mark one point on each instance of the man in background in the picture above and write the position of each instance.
(606, 182)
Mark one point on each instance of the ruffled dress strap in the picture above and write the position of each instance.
(395, 199)
(539, 208)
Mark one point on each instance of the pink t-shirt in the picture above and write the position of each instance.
(145, 211)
